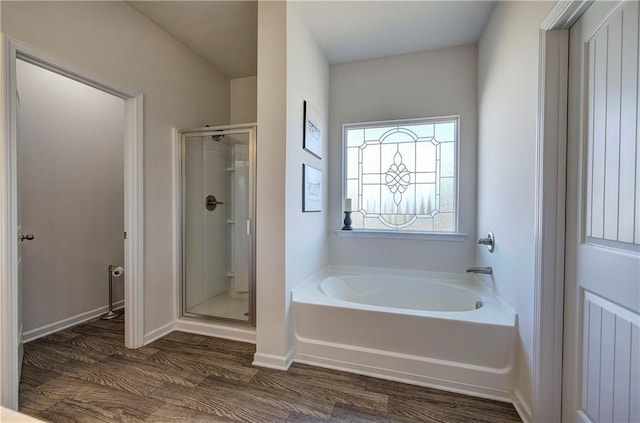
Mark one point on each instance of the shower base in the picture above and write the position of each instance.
(227, 305)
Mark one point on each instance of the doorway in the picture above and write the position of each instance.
(559, 390)
(218, 209)
(10, 298)
(70, 199)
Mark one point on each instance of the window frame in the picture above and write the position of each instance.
(395, 233)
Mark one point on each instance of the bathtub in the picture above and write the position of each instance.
(446, 331)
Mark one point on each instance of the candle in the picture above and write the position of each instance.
(347, 204)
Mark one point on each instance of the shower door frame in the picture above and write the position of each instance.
(246, 128)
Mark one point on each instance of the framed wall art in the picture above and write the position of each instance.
(312, 134)
(311, 189)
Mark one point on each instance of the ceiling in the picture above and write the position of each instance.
(357, 30)
(224, 33)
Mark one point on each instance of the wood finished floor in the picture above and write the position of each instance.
(85, 374)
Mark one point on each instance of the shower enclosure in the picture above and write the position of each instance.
(218, 209)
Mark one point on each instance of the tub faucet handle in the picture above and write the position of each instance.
(489, 241)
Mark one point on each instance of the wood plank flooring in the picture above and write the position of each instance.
(85, 374)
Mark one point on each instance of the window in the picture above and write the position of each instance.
(402, 175)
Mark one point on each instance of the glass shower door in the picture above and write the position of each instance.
(217, 214)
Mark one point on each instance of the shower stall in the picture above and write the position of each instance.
(218, 223)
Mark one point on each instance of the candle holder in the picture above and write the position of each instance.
(347, 221)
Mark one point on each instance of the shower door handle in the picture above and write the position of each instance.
(212, 203)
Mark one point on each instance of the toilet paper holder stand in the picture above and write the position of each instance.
(112, 314)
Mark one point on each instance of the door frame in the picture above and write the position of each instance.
(551, 149)
(179, 137)
(13, 49)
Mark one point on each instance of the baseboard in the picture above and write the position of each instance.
(159, 333)
(198, 327)
(521, 406)
(45, 330)
(272, 361)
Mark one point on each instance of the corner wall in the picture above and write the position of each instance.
(291, 245)
(272, 339)
(243, 93)
(427, 84)
(507, 112)
(181, 90)
(307, 79)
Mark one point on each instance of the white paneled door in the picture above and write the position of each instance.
(601, 381)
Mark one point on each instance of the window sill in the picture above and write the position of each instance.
(432, 236)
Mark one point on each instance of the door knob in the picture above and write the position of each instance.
(27, 237)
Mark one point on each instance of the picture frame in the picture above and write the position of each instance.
(312, 134)
(311, 189)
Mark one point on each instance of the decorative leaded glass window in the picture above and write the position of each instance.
(401, 175)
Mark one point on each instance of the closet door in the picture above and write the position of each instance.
(602, 295)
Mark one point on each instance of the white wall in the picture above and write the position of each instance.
(215, 251)
(507, 107)
(272, 339)
(433, 83)
(71, 177)
(291, 245)
(307, 79)
(240, 198)
(181, 90)
(243, 93)
(205, 255)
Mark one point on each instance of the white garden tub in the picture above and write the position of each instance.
(440, 330)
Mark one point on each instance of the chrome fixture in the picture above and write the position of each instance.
(111, 314)
(212, 202)
(216, 138)
(489, 241)
(483, 270)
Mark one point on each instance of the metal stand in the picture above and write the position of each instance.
(111, 314)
